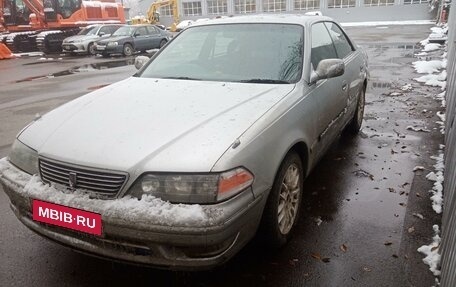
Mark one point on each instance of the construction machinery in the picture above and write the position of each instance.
(43, 24)
(153, 14)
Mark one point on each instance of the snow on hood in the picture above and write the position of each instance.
(142, 124)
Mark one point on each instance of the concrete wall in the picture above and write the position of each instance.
(448, 246)
(360, 13)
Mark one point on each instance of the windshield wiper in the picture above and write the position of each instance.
(265, 81)
(182, 78)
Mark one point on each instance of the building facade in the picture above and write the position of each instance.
(341, 10)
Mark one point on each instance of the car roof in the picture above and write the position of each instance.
(299, 19)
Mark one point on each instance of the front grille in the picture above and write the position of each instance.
(103, 182)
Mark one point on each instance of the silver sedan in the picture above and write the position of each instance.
(208, 143)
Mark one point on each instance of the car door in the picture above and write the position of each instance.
(330, 94)
(354, 66)
(141, 38)
(155, 37)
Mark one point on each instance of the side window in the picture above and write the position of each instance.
(141, 31)
(105, 30)
(343, 45)
(152, 30)
(322, 45)
(112, 29)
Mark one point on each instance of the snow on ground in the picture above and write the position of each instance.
(407, 87)
(437, 177)
(147, 211)
(438, 80)
(429, 67)
(418, 129)
(441, 97)
(385, 23)
(431, 47)
(431, 251)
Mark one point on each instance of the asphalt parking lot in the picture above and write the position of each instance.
(356, 225)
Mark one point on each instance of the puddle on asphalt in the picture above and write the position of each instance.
(82, 69)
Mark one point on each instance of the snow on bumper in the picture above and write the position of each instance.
(147, 231)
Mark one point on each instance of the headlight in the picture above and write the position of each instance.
(193, 188)
(24, 157)
(113, 44)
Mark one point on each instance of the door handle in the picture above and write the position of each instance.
(344, 87)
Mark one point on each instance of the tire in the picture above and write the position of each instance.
(162, 43)
(283, 204)
(91, 50)
(355, 124)
(128, 50)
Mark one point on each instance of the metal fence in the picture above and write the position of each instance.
(448, 245)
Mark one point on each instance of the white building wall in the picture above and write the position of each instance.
(396, 12)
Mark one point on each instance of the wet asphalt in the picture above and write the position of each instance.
(356, 227)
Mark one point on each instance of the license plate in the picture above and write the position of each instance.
(68, 217)
(101, 48)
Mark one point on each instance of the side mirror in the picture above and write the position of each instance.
(140, 61)
(328, 68)
(137, 34)
(101, 34)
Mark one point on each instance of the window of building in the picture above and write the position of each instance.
(166, 10)
(370, 3)
(415, 1)
(216, 7)
(192, 8)
(274, 5)
(306, 4)
(244, 6)
(341, 3)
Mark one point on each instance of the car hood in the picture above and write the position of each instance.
(80, 38)
(142, 124)
(113, 39)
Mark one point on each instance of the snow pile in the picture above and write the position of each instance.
(431, 47)
(431, 251)
(437, 177)
(429, 67)
(435, 80)
(149, 210)
(442, 117)
(441, 97)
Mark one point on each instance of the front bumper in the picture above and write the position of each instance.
(210, 239)
(74, 48)
(104, 49)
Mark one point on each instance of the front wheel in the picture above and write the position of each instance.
(127, 50)
(91, 49)
(162, 43)
(282, 207)
(355, 125)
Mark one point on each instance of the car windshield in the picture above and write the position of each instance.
(254, 53)
(89, 30)
(124, 31)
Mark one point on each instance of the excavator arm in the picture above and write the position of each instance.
(153, 15)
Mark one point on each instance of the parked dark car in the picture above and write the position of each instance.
(128, 39)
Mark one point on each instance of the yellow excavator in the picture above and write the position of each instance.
(153, 14)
